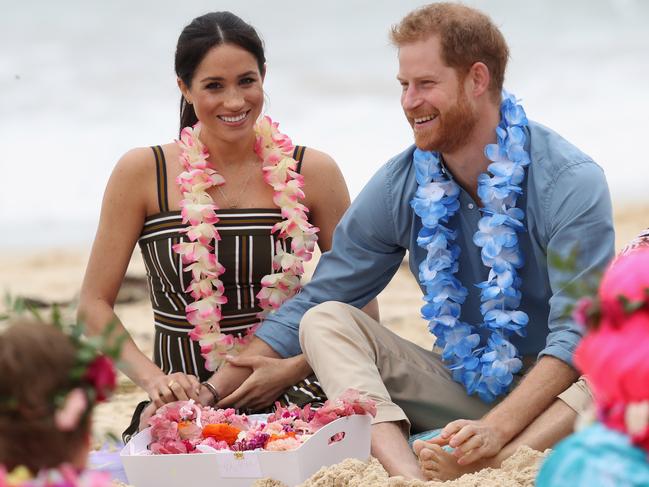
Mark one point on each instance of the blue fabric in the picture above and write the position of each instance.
(486, 367)
(595, 457)
(565, 199)
(425, 435)
(428, 435)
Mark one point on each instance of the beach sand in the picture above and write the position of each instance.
(55, 275)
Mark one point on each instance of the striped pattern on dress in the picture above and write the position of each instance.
(246, 250)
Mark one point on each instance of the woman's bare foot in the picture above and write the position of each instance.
(390, 447)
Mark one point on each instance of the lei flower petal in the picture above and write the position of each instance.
(183, 426)
(199, 211)
(483, 368)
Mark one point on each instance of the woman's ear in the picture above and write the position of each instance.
(184, 90)
(263, 74)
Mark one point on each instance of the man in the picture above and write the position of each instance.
(544, 196)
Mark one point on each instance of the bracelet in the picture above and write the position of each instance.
(210, 387)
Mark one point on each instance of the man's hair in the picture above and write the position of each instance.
(467, 36)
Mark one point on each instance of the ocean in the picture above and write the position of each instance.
(82, 82)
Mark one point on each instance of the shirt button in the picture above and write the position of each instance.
(471, 206)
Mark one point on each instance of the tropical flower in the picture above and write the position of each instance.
(582, 310)
(101, 375)
(613, 353)
(180, 427)
(483, 362)
(221, 432)
(199, 211)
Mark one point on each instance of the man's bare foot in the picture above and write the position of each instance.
(439, 464)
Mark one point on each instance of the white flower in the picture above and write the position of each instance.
(636, 417)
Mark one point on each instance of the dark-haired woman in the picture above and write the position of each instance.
(220, 218)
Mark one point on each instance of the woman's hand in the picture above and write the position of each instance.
(146, 414)
(270, 377)
(173, 387)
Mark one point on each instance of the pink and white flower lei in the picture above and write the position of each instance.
(275, 151)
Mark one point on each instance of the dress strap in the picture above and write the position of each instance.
(161, 176)
(298, 155)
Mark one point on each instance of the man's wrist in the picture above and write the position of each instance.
(498, 423)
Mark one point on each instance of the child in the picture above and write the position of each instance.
(613, 356)
(49, 384)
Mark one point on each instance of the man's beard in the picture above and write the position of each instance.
(453, 129)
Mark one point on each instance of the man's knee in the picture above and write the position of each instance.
(578, 396)
(324, 319)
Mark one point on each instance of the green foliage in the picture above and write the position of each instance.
(88, 346)
(568, 265)
(17, 306)
(575, 288)
(586, 286)
(630, 306)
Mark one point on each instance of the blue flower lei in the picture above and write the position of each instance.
(486, 368)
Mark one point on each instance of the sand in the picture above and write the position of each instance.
(55, 275)
(517, 471)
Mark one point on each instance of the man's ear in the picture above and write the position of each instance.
(479, 78)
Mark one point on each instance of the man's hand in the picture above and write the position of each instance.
(269, 378)
(472, 440)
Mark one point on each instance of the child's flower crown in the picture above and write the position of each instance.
(92, 378)
(620, 295)
(613, 354)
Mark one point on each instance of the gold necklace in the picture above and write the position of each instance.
(204, 313)
(235, 204)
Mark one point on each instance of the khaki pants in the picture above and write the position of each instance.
(348, 349)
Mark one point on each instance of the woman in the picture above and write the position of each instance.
(46, 403)
(209, 269)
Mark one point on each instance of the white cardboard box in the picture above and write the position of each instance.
(241, 469)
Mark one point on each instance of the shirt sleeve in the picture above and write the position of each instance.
(363, 258)
(580, 219)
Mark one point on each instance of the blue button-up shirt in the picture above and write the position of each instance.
(566, 203)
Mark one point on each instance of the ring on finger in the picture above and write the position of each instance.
(171, 384)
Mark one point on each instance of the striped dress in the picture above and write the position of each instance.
(246, 251)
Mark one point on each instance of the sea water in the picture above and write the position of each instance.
(82, 82)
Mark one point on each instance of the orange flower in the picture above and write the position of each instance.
(221, 432)
(283, 436)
